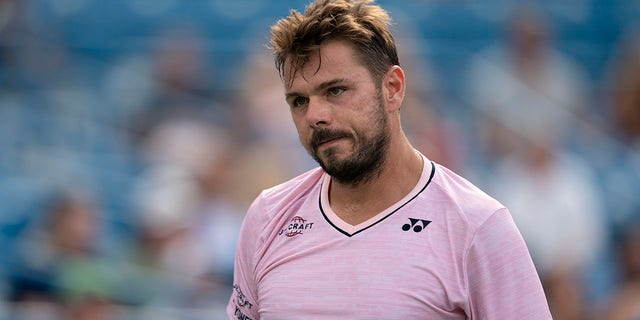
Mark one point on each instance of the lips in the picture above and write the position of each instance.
(323, 143)
(322, 137)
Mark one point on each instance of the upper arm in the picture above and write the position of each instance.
(243, 303)
(502, 280)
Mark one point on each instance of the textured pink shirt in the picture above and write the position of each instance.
(445, 251)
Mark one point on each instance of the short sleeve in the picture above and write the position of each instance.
(502, 280)
(243, 302)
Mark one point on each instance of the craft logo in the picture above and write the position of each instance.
(295, 227)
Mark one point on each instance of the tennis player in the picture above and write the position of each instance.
(377, 231)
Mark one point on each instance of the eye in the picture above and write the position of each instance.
(299, 101)
(336, 91)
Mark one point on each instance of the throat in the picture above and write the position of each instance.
(355, 205)
(354, 214)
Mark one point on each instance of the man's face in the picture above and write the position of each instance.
(339, 113)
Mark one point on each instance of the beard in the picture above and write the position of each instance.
(367, 155)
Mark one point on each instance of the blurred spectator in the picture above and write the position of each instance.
(624, 303)
(185, 238)
(619, 166)
(616, 150)
(566, 296)
(529, 98)
(172, 79)
(187, 219)
(553, 199)
(154, 273)
(625, 90)
(8, 34)
(92, 308)
(33, 54)
(525, 85)
(59, 265)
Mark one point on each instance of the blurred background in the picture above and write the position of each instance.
(134, 134)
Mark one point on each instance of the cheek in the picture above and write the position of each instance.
(298, 121)
(371, 125)
(304, 133)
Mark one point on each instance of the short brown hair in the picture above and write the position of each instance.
(365, 25)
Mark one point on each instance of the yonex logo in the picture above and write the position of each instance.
(417, 227)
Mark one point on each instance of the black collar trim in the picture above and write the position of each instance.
(433, 171)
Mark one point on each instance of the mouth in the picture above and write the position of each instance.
(327, 142)
(326, 138)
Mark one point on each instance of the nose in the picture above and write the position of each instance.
(318, 112)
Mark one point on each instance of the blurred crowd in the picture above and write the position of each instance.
(129, 156)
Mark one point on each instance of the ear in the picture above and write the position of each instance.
(393, 85)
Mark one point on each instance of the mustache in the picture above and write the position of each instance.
(322, 135)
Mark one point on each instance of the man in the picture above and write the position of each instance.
(378, 231)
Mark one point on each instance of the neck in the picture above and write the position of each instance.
(396, 178)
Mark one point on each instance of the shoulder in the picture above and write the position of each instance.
(472, 205)
(274, 201)
(292, 189)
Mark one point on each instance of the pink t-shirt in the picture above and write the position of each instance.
(445, 251)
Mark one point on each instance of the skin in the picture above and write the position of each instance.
(339, 96)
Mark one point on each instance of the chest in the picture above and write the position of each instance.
(398, 268)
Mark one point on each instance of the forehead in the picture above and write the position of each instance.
(336, 59)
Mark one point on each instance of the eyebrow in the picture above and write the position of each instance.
(320, 87)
